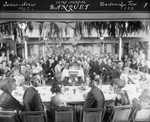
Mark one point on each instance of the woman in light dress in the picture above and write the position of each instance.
(57, 100)
(3, 57)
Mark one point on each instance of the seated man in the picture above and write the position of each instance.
(7, 101)
(32, 100)
(26, 74)
(20, 79)
(95, 97)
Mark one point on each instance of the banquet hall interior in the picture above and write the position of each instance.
(71, 64)
(69, 52)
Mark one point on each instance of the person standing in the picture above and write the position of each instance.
(12, 56)
(58, 71)
(3, 57)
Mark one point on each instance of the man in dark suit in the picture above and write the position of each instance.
(95, 97)
(94, 66)
(12, 56)
(32, 100)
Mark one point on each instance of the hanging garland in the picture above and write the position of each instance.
(55, 33)
(2, 46)
(12, 28)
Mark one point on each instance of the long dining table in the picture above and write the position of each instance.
(76, 95)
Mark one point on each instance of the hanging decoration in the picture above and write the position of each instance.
(54, 32)
(1, 46)
(22, 25)
(15, 29)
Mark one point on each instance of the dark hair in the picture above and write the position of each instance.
(59, 60)
(35, 84)
(95, 77)
(56, 88)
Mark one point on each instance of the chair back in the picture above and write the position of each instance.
(142, 115)
(64, 114)
(93, 114)
(33, 116)
(9, 116)
(122, 114)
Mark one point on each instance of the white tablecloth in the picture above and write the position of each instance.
(133, 77)
(78, 93)
(70, 93)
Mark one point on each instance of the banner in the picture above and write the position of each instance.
(75, 6)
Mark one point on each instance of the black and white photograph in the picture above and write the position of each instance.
(75, 61)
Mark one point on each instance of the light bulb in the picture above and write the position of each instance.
(22, 25)
(101, 37)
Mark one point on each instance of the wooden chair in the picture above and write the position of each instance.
(93, 114)
(64, 114)
(9, 116)
(33, 116)
(142, 115)
(122, 113)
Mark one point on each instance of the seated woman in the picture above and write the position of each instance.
(143, 102)
(7, 101)
(134, 65)
(3, 57)
(95, 97)
(57, 100)
(122, 96)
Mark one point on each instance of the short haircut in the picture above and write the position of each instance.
(95, 77)
(6, 83)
